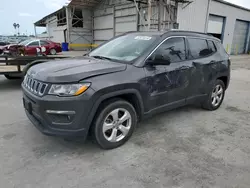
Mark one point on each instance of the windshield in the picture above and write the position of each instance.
(24, 42)
(125, 48)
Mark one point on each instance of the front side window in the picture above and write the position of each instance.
(198, 48)
(36, 43)
(25, 42)
(173, 49)
(125, 48)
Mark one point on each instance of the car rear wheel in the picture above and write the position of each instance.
(53, 51)
(114, 124)
(215, 97)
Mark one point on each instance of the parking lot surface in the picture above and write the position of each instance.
(188, 147)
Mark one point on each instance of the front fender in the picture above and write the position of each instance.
(111, 95)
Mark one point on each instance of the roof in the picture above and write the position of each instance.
(84, 3)
(175, 33)
(42, 22)
(233, 5)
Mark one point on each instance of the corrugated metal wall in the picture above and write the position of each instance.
(192, 17)
(103, 24)
(167, 18)
(81, 35)
(125, 18)
(113, 18)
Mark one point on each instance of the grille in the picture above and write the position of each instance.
(34, 86)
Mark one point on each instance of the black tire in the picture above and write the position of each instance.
(12, 77)
(53, 51)
(208, 103)
(103, 112)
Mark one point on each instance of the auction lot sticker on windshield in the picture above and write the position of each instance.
(143, 38)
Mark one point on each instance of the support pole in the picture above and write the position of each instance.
(159, 15)
(149, 14)
(35, 30)
(207, 16)
(68, 20)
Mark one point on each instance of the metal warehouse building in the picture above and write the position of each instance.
(88, 23)
(229, 22)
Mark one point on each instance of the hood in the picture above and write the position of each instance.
(73, 69)
(13, 46)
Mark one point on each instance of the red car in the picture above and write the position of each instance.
(33, 47)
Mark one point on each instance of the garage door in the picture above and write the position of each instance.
(240, 37)
(103, 25)
(215, 24)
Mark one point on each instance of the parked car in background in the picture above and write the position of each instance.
(2, 46)
(32, 47)
(133, 76)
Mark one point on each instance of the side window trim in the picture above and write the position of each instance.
(185, 42)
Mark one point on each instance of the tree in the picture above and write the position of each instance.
(15, 25)
(18, 26)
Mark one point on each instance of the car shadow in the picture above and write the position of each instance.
(82, 147)
(7, 85)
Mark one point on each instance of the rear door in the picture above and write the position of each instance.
(31, 48)
(202, 55)
(45, 46)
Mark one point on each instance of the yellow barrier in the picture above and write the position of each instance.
(227, 49)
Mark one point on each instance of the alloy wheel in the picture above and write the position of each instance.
(116, 125)
(217, 95)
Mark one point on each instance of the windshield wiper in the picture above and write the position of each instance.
(101, 57)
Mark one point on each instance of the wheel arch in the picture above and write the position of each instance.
(29, 65)
(131, 95)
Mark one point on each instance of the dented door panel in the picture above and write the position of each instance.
(167, 84)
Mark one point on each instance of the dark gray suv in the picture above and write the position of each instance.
(133, 76)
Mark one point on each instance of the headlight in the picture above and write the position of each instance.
(68, 89)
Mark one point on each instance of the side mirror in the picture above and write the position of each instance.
(158, 59)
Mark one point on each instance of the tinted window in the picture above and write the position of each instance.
(42, 42)
(36, 43)
(211, 46)
(197, 48)
(173, 49)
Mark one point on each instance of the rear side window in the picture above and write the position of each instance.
(198, 48)
(174, 49)
(42, 42)
(211, 46)
(35, 43)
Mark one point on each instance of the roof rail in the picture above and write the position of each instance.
(179, 30)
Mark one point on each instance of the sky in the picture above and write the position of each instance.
(26, 12)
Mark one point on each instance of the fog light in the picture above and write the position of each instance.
(63, 117)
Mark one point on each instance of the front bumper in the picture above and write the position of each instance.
(45, 113)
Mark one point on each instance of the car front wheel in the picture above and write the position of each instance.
(114, 124)
(216, 96)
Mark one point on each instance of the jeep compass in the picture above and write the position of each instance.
(131, 77)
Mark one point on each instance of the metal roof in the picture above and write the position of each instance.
(42, 22)
(84, 3)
